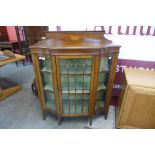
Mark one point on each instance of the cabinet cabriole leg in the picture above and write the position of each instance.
(59, 121)
(90, 121)
(44, 115)
(105, 116)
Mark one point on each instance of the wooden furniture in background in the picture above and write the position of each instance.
(74, 73)
(8, 87)
(8, 45)
(5, 43)
(137, 101)
(34, 34)
(28, 35)
(3, 34)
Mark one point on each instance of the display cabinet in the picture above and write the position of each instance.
(74, 73)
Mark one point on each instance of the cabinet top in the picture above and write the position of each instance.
(142, 78)
(74, 40)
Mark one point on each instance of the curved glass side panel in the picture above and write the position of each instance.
(102, 82)
(47, 83)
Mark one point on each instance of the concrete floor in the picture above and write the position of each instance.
(22, 111)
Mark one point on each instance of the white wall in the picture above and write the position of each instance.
(135, 47)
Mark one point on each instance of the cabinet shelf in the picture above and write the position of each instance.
(48, 87)
(101, 87)
(46, 70)
(75, 92)
(85, 74)
(75, 74)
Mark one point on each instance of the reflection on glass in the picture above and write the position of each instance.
(102, 82)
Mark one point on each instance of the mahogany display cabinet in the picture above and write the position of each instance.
(74, 73)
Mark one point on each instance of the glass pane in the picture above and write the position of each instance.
(46, 75)
(75, 77)
(102, 82)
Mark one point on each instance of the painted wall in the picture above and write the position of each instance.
(138, 42)
(11, 33)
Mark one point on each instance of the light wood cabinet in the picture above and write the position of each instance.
(137, 101)
(74, 73)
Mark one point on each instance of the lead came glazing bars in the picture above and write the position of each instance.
(68, 92)
(74, 84)
(75, 92)
(82, 89)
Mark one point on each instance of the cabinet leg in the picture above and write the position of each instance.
(44, 115)
(59, 121)
(105, 116)
(90, 121)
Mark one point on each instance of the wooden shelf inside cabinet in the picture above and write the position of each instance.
(48, 88)
(75, 71)
(46, 70)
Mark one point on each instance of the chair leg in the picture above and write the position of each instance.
(16, 63)
(30, 59)
(23, 62)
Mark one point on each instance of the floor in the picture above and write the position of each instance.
(21, 110)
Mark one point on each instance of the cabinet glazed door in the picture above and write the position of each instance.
(74, 84)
